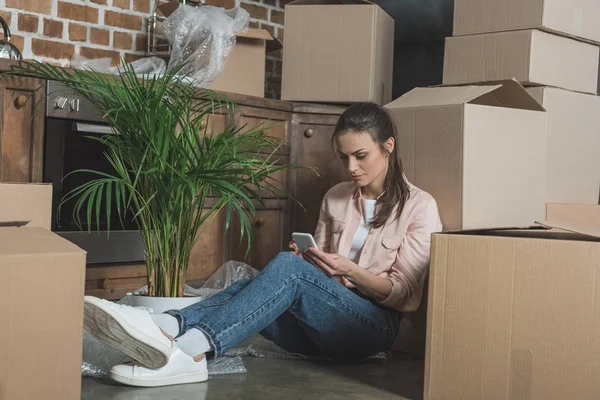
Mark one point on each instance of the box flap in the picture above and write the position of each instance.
(273, 44)
(504, 93)
(28, 241)
(254, 34)
(511, 94)
(322, 2)
(584, 214)
(440, 96)
(588, 230)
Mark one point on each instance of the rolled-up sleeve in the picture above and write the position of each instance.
(323, 230)
(408, 272)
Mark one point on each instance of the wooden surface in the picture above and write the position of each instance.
(21, 129)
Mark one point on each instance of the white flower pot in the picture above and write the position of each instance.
(160, 304)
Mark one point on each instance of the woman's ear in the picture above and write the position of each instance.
(389, 145)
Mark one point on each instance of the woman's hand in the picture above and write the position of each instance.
(333, 265)
(292, 245)
(340, 267)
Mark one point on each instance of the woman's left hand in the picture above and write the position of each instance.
(332, 264)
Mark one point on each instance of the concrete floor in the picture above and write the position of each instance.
(402, 378)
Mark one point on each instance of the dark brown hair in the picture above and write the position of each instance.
(374, 120)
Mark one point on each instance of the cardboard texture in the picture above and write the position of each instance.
(529, 56)
(580, 214)
(575, 18)
(479, 150)
(339, 53)
(513, 315)
(573, 145)
(31, 203)
(42, 280)
(245, 70)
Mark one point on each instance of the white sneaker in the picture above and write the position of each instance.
(180, 369)
(128, 329)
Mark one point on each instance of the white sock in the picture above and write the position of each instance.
(167, 323)
(193, 343)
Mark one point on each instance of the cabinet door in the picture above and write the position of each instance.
(210, 251)
(269, 236)
(312, 147)
(21, 129)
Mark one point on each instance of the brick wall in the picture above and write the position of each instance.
(55, 30)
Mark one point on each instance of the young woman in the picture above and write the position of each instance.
(342, 300)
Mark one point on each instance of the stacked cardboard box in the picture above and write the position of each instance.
(551, 46)
(42, 278)
(337, 53)
(511, 312)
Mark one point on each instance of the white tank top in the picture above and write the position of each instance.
(363, 229)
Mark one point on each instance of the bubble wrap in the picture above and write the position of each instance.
(202, 38)
(98, 358)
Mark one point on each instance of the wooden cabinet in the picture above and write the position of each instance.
(270, 232)
(21, 129)
(312, 130)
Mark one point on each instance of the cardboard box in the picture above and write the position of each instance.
(244, 71)
(513, 315)
(530, 56)
(31, 203)
(576, 18)
(579, 214)
(42, 279)
(573, 145)
(245, 68)
(479, 150)
(337, 52)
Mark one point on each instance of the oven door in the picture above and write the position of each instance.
(68, 147)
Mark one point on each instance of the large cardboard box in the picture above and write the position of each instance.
(576, 18)
(42, 279)
(514, 315)
(479, 150)
(244, 71)
(335, 52)
(573, 145)
(529, 56)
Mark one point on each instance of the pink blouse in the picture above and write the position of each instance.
(398, 251)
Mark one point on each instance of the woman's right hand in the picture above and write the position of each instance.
(294, 247)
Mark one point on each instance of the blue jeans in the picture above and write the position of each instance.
(299, 308)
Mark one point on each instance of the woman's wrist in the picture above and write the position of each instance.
(354, 272)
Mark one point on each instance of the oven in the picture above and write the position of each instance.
(71, 123)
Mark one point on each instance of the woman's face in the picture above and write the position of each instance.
(363, 158)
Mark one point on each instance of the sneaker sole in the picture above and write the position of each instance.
(108, 327)
(195, 377)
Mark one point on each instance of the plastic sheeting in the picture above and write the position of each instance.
(202, 38)
(98, 358)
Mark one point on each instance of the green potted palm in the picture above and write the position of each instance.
(167, 164)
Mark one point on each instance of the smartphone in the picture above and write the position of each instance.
(304, 241)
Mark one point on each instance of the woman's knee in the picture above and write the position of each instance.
(287, 262)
